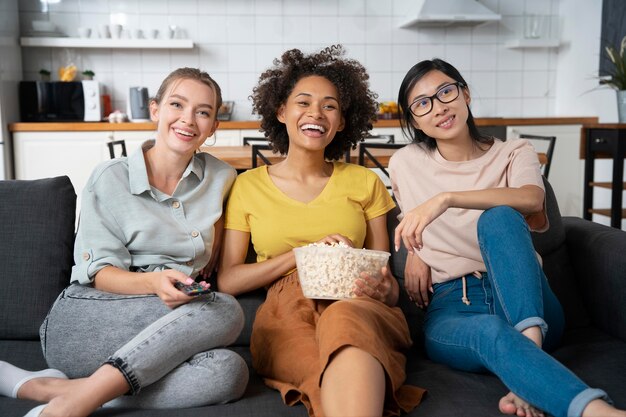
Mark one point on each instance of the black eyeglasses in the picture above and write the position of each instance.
(423, 105)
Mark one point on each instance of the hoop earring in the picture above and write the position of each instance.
(212, 144)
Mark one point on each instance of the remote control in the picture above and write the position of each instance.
(192, 289)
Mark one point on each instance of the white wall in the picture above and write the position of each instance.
(237, 39)
(577, 88)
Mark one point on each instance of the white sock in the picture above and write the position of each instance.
(12, 378)
(35, 412)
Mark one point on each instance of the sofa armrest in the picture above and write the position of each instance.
(598, 256)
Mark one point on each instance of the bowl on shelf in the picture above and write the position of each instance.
(329, 272)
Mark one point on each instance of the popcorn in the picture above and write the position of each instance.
(329, 271)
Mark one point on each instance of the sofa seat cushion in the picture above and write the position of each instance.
(36, 245)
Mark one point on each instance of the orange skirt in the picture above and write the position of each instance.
(294, 337)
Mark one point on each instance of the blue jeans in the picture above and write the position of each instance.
(170, 358)
(512, 296)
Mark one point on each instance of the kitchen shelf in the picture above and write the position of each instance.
(106, 43)
(532, 43)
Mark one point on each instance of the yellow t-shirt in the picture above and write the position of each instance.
(277, 223)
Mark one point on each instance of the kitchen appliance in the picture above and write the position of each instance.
(438, 13)
(138, 105)
(60, 101)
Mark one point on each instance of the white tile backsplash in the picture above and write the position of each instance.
(534, 107)
(378, 58)
(509, 84)
(482, 84)
(241, 58)
(378, 30)
(352, 29)
(460, 56)
(378, 8)
(484, 57)
(322, 29)
(403, 57)
(535, 84)
(508, 107)
(267, 7)
(235, 40)
(268, 30)
(239, 29)
(351, 7)
(324, 8)
(297, 31)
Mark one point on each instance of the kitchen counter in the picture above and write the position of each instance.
(254, 124)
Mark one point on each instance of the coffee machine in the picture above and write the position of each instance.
(138, 105)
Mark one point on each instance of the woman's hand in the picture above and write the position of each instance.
(336, 238)
(415, 221)
(163, 286)
(417, 280)
(377, 288)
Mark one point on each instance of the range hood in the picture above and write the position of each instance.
(441, 13)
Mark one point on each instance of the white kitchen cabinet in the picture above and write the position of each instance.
(75, 154)
(51, 154)
(224, 138)
(132, 138)
(567, 169)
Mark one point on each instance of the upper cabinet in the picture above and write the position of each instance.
(63, 42)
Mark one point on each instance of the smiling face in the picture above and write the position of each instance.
(445, 120)
(186, 116)
(312, 113)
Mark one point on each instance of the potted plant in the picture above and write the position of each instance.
(88, 74)
(44, 74)
(617, 77)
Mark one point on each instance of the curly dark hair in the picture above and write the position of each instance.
(358, 103)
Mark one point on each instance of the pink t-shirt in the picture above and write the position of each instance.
(450, 242)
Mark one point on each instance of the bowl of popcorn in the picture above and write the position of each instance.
(330, 271)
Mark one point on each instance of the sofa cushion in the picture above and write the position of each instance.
(36, 245)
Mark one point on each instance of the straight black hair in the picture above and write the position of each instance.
(416, 73)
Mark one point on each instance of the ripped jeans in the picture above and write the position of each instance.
(512, 296)
(162, 353)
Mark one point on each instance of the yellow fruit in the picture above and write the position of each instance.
(67, 73)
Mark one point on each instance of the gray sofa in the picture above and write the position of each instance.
(585, 263)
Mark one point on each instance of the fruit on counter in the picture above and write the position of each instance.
(67, 73)
(388, 110)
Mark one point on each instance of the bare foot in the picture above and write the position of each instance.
(513, 405)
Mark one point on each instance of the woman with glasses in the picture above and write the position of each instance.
(468, 203)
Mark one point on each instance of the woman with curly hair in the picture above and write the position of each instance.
(339, 358)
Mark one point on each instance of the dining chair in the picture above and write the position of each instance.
(364, 152)
(257, 154)
(384, 138)
(249, 140)
(545, 158)
(112, 144)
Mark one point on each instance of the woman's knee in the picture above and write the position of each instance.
(479, 333)
(222, 316)
(497, 216)
(227, 375)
